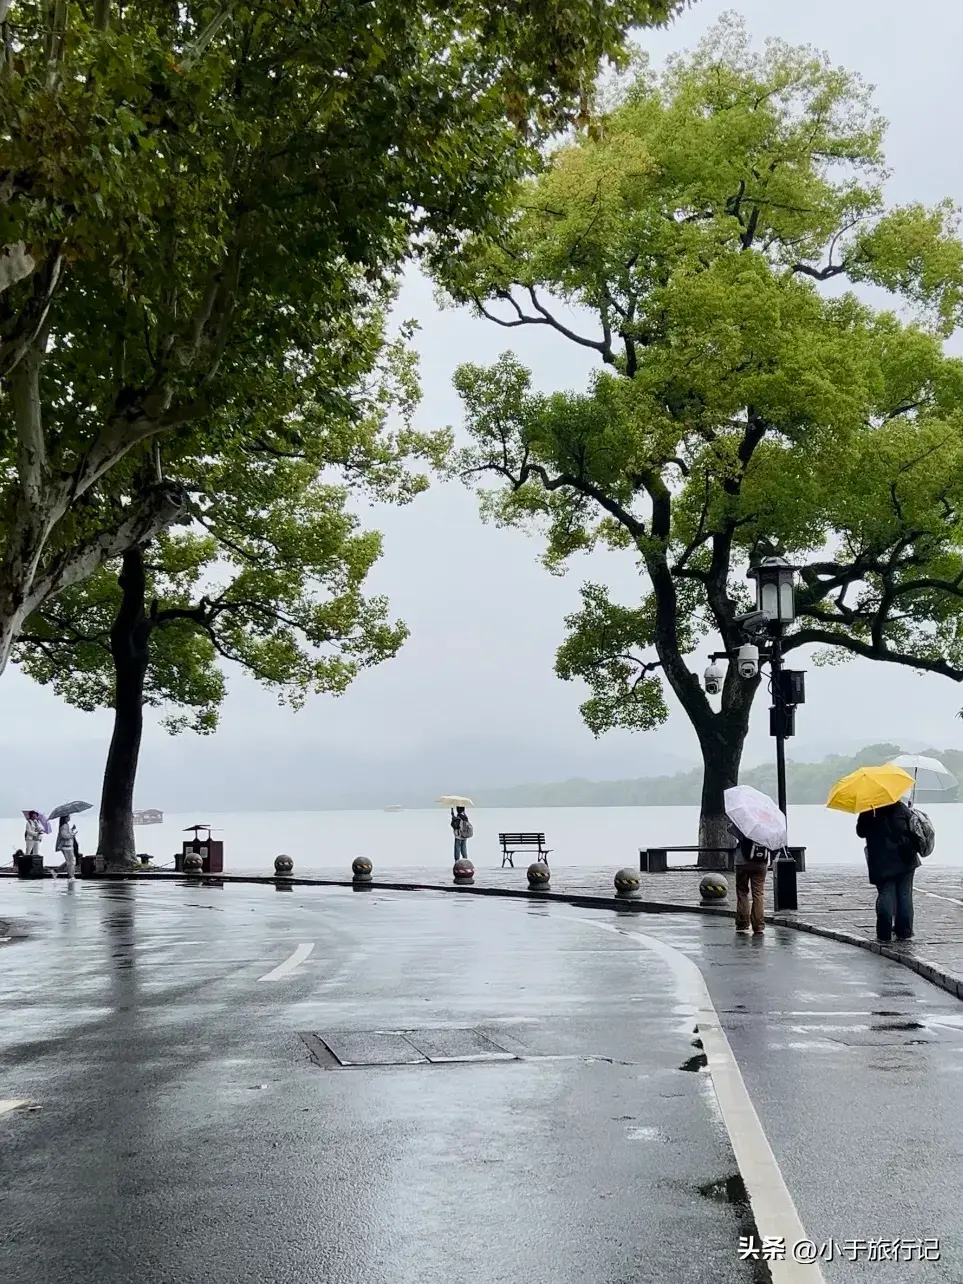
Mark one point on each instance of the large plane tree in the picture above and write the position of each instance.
(703, 244)
(196, 197)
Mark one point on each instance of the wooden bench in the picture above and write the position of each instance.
(654, 860)
(512, 843)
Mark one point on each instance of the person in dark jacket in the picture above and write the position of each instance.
(892, 858)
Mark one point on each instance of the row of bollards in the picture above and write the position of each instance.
(713, 887)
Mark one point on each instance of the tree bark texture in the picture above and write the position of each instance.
(130, 648)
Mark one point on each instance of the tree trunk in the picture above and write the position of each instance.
(130, 648)
(721, 758)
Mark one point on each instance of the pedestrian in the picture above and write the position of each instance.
(462, 829)
(892, 857)
(66, 844)
(752, 863)
(33, 834)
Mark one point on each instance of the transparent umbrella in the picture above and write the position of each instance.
(927, 773)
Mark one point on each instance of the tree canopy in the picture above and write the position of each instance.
(198, 199)
(740, 402)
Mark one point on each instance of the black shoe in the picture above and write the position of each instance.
(907, 937)
(886, 940)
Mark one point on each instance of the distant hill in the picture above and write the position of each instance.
(224, 774)
(806, 782)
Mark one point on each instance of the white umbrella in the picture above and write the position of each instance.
(756, 816)
(927, 773)
(453, 800)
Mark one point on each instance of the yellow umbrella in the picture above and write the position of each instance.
(868, 788)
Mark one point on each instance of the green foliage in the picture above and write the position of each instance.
(276, 588)
(738, 402)
(204, 210)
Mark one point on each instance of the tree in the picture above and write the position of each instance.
(738, 401)
(195, 198)
(270, 578)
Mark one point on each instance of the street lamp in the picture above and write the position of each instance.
(776, 600)
(775, 589)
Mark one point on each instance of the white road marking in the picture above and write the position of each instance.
(288, 966)
(772, 1205)
(938, 896)
(8, 1105)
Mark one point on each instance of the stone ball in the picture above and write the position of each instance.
(627, 881)
(361, 867)
(463, 871)
(538, 875)
(193, 863)
(283, 864)
(714, 888)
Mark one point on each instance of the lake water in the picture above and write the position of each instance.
(579, 836)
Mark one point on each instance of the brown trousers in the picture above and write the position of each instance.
(750, 882)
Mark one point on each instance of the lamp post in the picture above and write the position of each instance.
(776, 599)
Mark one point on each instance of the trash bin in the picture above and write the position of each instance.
(210, 850)
(29, 866)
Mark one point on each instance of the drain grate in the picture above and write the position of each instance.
(433, 1046)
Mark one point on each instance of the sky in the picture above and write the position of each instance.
(485, 617)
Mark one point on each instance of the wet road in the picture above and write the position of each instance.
(188, 1131)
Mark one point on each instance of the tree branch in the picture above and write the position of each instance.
(825, 637)
(602, 346)
(160, 507)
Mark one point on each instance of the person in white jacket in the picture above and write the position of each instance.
(33, 834)
(66, 844)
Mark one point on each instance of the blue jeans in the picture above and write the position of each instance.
(461, 849)
(894, 900)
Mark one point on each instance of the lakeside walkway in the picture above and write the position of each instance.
(834, 900)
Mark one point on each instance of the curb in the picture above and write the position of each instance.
(931, 972)
(928, 971)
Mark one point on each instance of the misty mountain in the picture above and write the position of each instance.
(217, 774)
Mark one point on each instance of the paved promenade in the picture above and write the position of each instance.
(834, 900)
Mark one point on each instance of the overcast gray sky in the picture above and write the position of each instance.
(485, 618)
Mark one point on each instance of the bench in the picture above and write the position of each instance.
(654, 860)
(512, 843)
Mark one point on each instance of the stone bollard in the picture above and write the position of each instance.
(627, 883)
(283, 866)
(713, 887)
(193, 864)
(463, 872)
(539, 875)
(361, 871)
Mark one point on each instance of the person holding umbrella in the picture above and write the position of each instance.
(66, 841)
(66, 844)
(461, 826)
(761, 829)
(885, 823)
(37, 825)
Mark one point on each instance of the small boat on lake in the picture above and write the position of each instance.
(394, 809)
(152, 816)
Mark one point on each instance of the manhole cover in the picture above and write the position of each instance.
(403, 1047)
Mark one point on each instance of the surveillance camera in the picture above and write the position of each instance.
(753, 622)
(748, 661)
(714, 678)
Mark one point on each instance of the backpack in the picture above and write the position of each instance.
(758, 855)
(921, 828)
